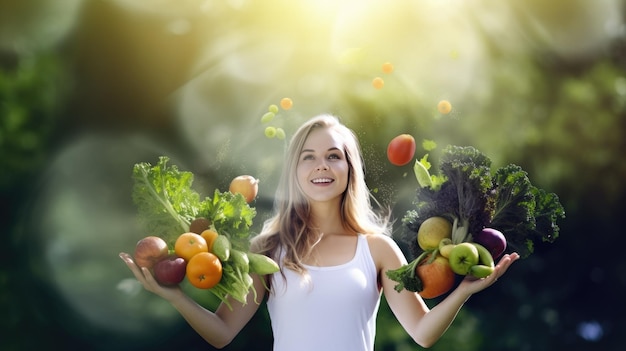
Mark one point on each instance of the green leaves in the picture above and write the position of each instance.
(524, 213)
(232, 216)
(164, 198)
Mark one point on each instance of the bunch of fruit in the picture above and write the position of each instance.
(433, 273)
(201, 256)
(208, 259)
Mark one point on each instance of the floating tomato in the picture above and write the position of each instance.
(401, 149)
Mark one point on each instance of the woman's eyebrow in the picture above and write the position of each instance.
(334, 148)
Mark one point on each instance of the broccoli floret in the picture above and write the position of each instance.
(406, 276)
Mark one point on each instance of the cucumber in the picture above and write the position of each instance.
(261, 264)
(221, 248)
(240, 260)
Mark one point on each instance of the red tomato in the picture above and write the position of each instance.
(401, 149)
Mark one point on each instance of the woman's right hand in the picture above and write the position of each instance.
(144, 276)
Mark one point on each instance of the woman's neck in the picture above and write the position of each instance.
(327, 218)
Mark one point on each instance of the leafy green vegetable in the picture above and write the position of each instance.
(232, 216)
(406, 276)
(462, 197)
(164, 198)
(524, 213)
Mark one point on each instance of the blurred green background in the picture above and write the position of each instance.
(90, 87)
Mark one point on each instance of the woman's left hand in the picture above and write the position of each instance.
(472, 285)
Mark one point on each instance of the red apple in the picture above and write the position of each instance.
(150, 250)
(493, 240)
(171, 270)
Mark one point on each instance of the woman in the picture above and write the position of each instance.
(333, 250)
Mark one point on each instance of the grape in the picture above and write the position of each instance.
(273, 108)
(280, 133)
(270, 132)
(267, 117)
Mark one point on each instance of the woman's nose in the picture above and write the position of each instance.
(322, 166)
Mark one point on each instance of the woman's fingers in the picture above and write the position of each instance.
(137, 271)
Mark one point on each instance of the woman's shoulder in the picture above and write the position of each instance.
(384, 249)
(379, 239)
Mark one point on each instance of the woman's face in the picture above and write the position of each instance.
(323, 169)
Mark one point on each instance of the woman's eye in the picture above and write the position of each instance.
(334, 157)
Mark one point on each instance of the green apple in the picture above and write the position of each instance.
(462, 257)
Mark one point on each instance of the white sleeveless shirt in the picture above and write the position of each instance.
(334, 310)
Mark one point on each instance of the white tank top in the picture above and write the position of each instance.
(335, 310)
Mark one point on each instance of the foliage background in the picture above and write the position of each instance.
(90, 87)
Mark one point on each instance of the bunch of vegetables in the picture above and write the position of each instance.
(487, 212)
(215, 229)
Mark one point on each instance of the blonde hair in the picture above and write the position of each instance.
(291, 227)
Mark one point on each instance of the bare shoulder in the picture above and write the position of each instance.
(385, 251)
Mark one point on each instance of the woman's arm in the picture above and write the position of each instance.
(425, 325)
(218, 328)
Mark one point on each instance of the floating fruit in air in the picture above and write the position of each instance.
(246, 185)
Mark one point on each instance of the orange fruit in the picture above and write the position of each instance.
(188, 245)
(378, 83)
(437, 277)
(286, 103)
(387, 67)
(204, 270)
(246, 185)
(210, 236)
(444, 107)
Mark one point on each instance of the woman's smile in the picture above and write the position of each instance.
(322, 181)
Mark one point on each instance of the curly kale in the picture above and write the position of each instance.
(524, 213)
(465, 197)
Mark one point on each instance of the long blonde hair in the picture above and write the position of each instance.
(291, 227)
